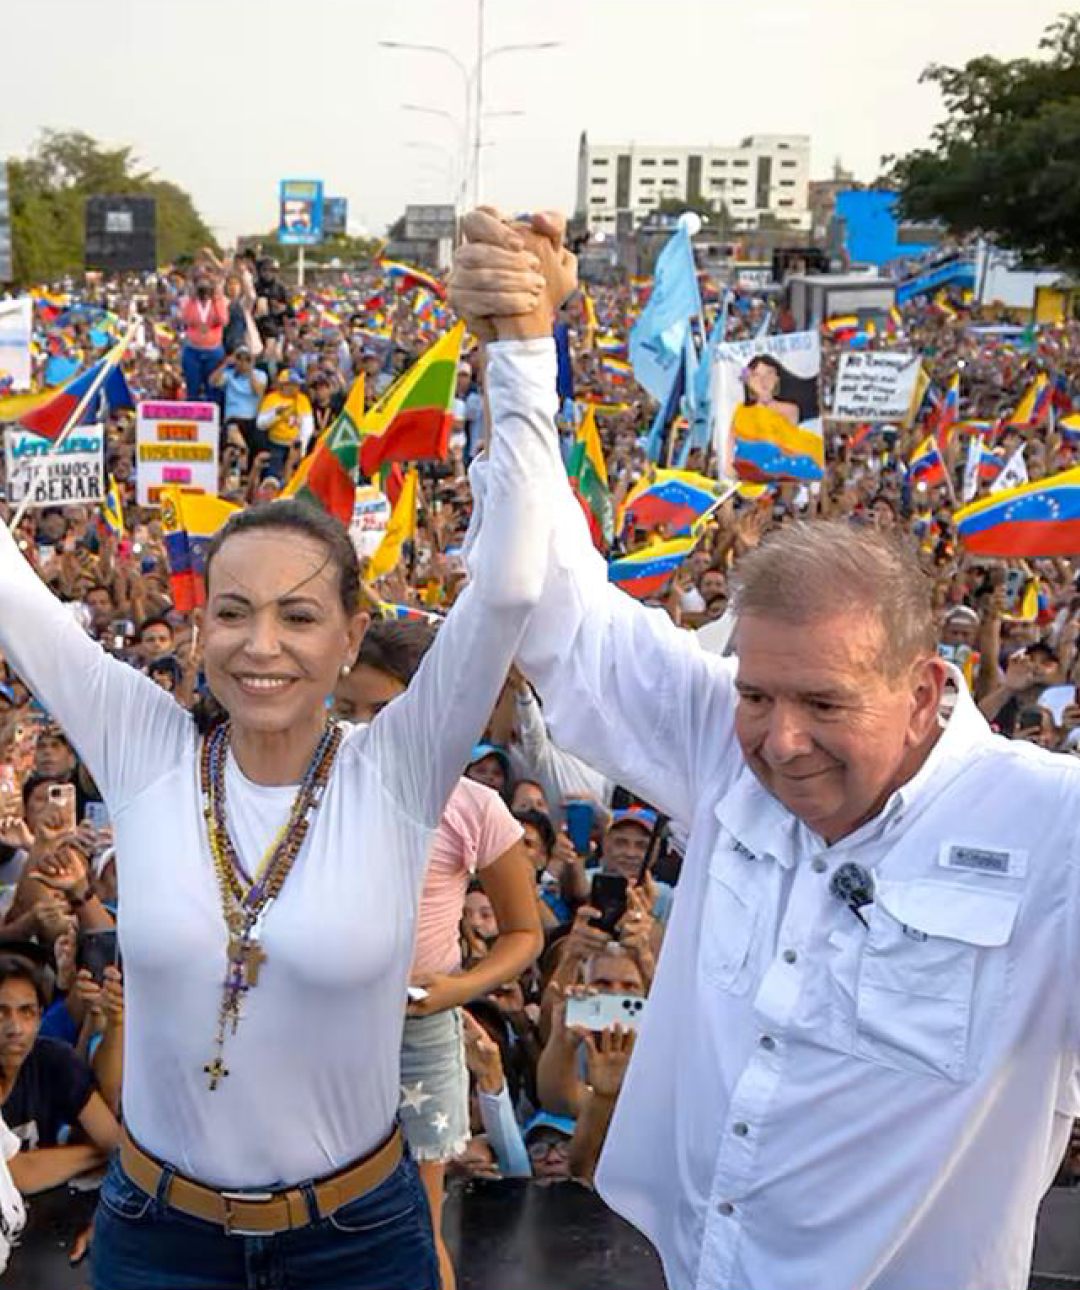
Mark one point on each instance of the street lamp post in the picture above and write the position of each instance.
(473, 85)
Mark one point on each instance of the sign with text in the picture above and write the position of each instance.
(430, 223)
(875, 386)
(176, 444)
(371, 515)
(301, 218)
(16, 329)
(71, 475)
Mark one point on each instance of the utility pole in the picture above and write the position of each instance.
(478, 122)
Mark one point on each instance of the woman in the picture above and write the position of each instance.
(477, 834)
(204, 313)
(770, 438)
(269, 875)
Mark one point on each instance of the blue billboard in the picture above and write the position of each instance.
(300, 222)
(335, 216)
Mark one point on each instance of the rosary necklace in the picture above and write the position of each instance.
(245, 899)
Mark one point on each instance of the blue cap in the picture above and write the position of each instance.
(544, 1120)
(634, 815)
(480, 751)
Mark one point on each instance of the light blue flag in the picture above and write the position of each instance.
(658, 338)
(700, 414)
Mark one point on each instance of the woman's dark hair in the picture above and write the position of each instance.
(288, 515)
(803, 391)
(396, 646)
(542, 824)
(15, 968)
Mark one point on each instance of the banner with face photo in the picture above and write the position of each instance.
(767, 396)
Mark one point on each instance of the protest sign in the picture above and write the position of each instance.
(766, 392)
(176, 444)
(875, 386)
(16, 325)
(371, 515)
(70, 475)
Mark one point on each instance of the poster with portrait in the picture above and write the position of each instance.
(766, 393)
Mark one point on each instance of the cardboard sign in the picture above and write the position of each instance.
(72, 475)
(176, 444)
(875, 386)
(371, 515)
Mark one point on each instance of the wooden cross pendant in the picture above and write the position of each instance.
(217, 1071)
(248, 955)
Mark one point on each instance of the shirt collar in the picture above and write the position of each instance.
(765, 829)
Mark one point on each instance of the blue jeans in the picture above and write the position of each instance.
(197, 364)
(380, 1241)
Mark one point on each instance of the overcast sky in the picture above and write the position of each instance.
(228, 96)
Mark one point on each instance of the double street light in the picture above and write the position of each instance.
(470, 126)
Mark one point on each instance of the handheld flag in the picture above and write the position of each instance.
(1014, 472)
(588, 479)
(675, 498)
(925, 465)
(402, 527)
(112, 510)
(412, 420)
(658, 335)
(643, 573)
(189, 520)
(1039, 519)
(767, 446)
(327, 475)
(1034, 404)
(408, 275)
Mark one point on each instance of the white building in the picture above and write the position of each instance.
(765, 174)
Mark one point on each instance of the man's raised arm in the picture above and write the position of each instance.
(622, 687)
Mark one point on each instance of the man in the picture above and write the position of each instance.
(54, 757)
(44, 1086)
(490, 765)
(626, 845)
(859, 1062)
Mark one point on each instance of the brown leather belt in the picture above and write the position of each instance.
(260, 1213)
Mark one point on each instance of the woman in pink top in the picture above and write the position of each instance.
(477, 836)
(204, 311)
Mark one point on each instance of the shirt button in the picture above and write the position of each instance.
(726, 1208)
(740, 1129)
(789, 956)
(767, 1042)
(818, 865)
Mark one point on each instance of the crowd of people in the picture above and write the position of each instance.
(544, 907)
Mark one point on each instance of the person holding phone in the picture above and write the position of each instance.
(265, 997)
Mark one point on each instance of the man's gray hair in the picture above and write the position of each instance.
(808, 570)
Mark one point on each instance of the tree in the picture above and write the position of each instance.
(1005, 162)
(49, 187)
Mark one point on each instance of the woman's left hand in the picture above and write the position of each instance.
(444, 991)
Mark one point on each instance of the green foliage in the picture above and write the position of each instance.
(47, 193)
(1005, 162)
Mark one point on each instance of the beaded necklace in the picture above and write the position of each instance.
(245, 899)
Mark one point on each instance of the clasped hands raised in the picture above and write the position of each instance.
(510, 276)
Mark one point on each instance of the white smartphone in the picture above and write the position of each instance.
(416, 993)
(598, 1011)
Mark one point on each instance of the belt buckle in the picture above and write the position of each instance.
(246, 1197)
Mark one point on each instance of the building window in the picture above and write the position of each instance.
(646, 182)
(743, 164)
(671, 161)
(786, 201)
(716, 162)
(788, 164)
(647, 161)
(598, 199)
(600, 161)
(599, 180)
(787, 183)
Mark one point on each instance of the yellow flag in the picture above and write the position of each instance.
(401, 527)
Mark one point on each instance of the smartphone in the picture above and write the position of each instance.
(416, 993)
(9, 784)
(98, 814)
(1029, 718)
(1015, 582)
(598, 1011)
(579, 823)
(96, 951)
(608, 895)
(62, 797)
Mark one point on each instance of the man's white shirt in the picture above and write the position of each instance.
(815, 1104)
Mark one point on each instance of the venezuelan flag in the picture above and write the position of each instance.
(112, 510)
(644, 573)
(1033, 405)
(675, 498)
(618, 368)
(413, 418)
(611, 344)
(949, 412)
(408, 275)
(840, 324)
(407, 613)
(1069, 428)
(189, 520)
(1037, 519)
(766, 446)
(990, 463)
(925, 465)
